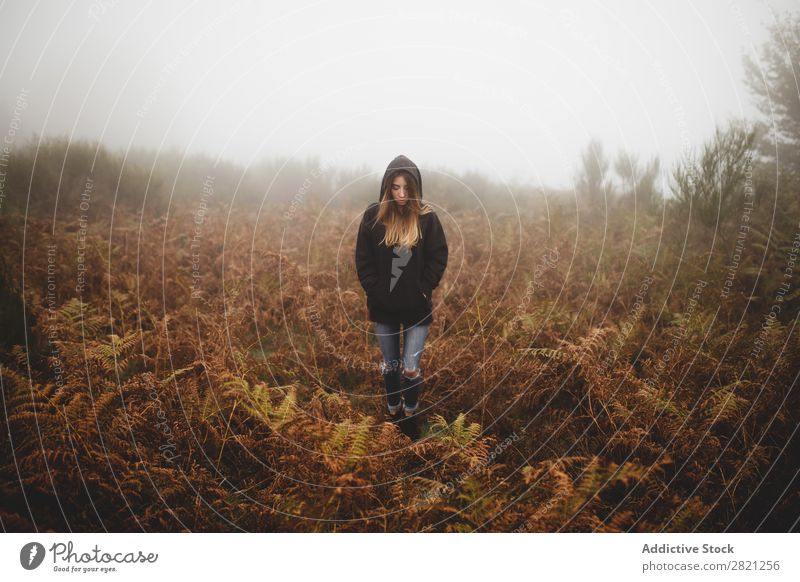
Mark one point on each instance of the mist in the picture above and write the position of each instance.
(514, 94)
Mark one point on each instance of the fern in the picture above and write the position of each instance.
(726, 406)
(20, 355)
(690, 514)
(115, 354)
(458, 433)
(286, 410)
(358, 446)
(548, 353)
(338, 438)
(658, 404)
(79, 319)
(587, 489)
(478, 503)
(179, 374)
(258, 402)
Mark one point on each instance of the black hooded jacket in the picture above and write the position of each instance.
(398, 282)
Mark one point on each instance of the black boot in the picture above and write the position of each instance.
(409, 426)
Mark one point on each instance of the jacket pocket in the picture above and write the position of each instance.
(426, 300)
(376, 296)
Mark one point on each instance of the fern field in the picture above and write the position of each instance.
(583, 373)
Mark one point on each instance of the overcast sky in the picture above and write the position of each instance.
(515, 92)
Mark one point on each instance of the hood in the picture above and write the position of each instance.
(401, 162)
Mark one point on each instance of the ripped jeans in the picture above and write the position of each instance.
(402, 376)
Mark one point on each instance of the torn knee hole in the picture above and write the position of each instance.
(411, 373)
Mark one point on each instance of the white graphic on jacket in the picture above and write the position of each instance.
(400, 258)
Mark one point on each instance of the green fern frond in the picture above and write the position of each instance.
(338, 438)
(286, 410)
(114, 355)
(438, 424)
(459, 432)
(256, 400)
(358, 446)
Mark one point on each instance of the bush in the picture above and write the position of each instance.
(710, 189)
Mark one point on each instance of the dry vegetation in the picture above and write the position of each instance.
(555, 401)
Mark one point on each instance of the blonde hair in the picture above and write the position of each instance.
(402, 222)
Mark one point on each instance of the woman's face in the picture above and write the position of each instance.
(400, 191)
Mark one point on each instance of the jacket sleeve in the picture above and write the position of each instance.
(436, 254)
(366, 261)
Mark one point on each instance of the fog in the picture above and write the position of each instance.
(514, 93)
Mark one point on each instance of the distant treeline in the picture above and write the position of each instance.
(52, 173)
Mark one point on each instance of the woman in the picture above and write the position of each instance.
(401, 255)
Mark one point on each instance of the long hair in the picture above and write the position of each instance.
(401, 222)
